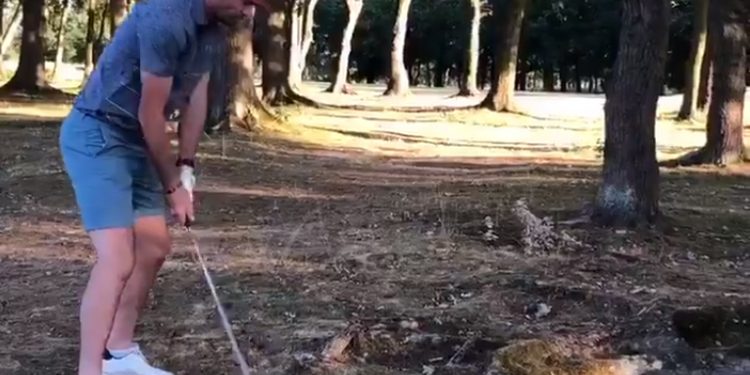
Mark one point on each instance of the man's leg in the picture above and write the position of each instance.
(152, 245)
(114, 263)
(102, 184)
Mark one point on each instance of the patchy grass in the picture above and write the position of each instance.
(390, 235)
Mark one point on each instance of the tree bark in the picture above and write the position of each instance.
(90, 37)
(438, 78)
(295, 23)
(118, 10)
(355, 9)
(30, 76)
(245, 108)
(469, 85)
(398, 84)
(10, 32)
(694, 64)
(501, 95)
(629, 192)
(60, 48)
(307, 34)
(276, 59)
(704, 87)
(548, 75)
(99, 43)
(563, 78)
(522, 76)
(728, 33)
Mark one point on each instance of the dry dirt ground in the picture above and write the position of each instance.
(396, 229)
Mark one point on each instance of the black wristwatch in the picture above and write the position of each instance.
(185, 161)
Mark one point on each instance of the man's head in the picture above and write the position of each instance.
(229, 11)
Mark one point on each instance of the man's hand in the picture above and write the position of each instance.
(181, 205)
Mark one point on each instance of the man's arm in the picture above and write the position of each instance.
(154, 96)
(160, 43)
(194, 119)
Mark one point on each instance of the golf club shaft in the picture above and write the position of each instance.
(222, 314)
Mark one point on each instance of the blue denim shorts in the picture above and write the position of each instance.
(113, 178)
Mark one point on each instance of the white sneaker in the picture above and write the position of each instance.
(132, 364)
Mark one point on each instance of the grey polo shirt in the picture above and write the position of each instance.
(163, 37)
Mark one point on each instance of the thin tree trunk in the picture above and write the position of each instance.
(307, 35)
(90, 37)
(501, 95)
(295, 23)
(694, 64)
(2, 30)
(118, 10)
(9, 34)
(629, 192)
(276, 59)
(398, 84)
(707, 69)
(355, 9)
(61, 39)
(2, 16)
(439, 76)
(577, 73)
(523, 72)
(469, 86)
(103, 26)
(30, 75)
(563, 78)
(548, 75)
(724, 138)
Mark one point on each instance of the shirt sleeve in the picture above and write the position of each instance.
(160, 43)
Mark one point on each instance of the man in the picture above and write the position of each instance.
(117, 154)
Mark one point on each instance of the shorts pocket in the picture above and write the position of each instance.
(84, 134)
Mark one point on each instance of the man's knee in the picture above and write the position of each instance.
(114, 251)
(152, 242)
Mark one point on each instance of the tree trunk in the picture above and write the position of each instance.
(704, 88)
(469, 85)
(577, 73)
(355, 9)
(548, 75)
(438, 78)
(724, 141)
(90, 37)
(61, 39)
(245, 109)
(486, 67)
(500, 97)
(276, 59)
(118, 10)
(103, 26)
(693, 67)
(2, 30)
(563, 78)
(522, 77)
(629, 193)
(10, 32)
(398, 84)
(307, 35)
(30, 77)
(294, 23)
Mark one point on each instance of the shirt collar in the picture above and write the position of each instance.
(198, 11)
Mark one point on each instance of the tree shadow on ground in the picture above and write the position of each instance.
(306, 241)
